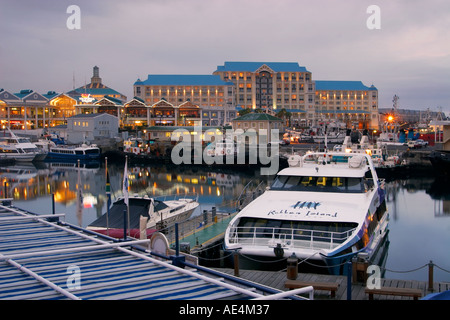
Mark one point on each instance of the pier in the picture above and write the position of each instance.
(277, 280)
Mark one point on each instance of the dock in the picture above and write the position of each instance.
(200, 231)
(277, 280)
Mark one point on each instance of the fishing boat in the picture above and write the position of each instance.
(157, 214)
(325, 207)
(81, 152)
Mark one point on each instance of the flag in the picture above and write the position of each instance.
(125, 182)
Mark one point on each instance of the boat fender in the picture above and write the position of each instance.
(279, 251)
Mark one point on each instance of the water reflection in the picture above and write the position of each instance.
(28, 184)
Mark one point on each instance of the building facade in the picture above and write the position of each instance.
(31, 110)
(84, 128)
(349, 102)
(271, 86)
(187, 98)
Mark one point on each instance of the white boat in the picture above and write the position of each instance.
(380, 156)
(158, 214)
(19, 148)
(325, 207)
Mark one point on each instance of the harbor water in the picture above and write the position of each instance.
(419, 206)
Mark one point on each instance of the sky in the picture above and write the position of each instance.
(408, 55)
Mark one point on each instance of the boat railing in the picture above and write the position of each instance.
(288, 237)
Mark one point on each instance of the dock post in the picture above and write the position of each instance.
(213, 214)
(236, 263)
(177, 241)
(205, 216)
(53, 203)
(177, 260)
(430, 276)
(349, 280)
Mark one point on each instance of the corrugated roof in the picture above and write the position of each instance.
(342, 85)
(253, 66)
(182, 80)
(43, 260)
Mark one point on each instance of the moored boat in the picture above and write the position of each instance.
(19, 149)
(157, 214)
(82, 152)
(326, 207)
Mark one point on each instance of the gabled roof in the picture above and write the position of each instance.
(7, 96)
(51, 94)
(28, 94)
(257, 117)
(253, 66)
(135, 101)
(342, 85)
(111, 99)
(182, 80)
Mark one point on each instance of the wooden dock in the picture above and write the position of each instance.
(277, 279)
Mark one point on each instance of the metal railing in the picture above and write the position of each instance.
(288, 237)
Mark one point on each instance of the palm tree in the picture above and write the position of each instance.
(284, 114)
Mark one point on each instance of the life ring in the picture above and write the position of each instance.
(228, 151)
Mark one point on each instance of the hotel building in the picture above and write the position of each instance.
(273, 86)
(349, 102)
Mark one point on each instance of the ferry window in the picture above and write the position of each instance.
(319, 184)
(279, 182)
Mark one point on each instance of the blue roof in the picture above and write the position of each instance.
(253, 66)
(182, 80)
(342, 85)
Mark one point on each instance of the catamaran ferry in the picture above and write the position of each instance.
(325, 206)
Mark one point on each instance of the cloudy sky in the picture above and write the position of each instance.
(409, 56)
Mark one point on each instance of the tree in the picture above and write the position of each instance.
(284, 114)
(244, 111)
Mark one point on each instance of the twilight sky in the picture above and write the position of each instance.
(409, 56)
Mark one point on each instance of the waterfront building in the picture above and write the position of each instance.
(83, 128)
(271, 86)
(30, 110)
(184, 99)
(349, 102)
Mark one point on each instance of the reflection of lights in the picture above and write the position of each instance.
(218, 192)
(89, 201)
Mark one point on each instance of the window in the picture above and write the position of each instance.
(320, 184)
